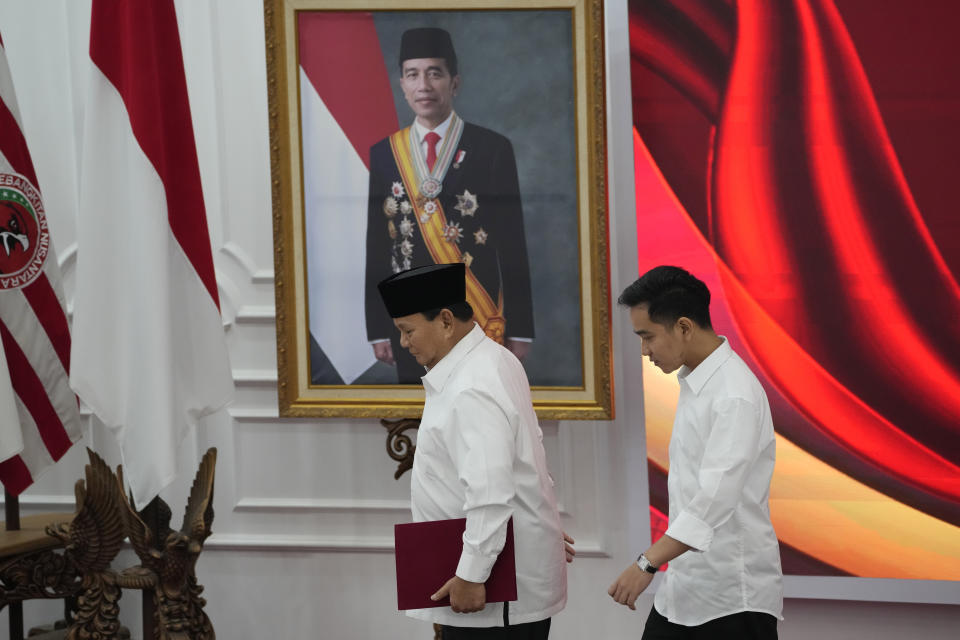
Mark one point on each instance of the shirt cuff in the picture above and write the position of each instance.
(474, 567)
(519, 339)
(379, 340)
(691, 531)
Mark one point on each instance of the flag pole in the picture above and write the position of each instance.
(11, 508)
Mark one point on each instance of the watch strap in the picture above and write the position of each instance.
(644, 564)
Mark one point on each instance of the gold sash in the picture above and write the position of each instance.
(488, 314)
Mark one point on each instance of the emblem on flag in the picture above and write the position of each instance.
(24, 235)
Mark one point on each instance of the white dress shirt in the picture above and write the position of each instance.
(421, 132)
(480, 456)
(722, 453)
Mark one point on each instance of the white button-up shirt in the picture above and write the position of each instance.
(421, 132)
(480, 456)
(722, 453)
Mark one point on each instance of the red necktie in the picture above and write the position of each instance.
(432, 139)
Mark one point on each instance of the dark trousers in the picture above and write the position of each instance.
(529, 631)
(747, 625)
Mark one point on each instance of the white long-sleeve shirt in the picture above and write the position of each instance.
(480, 456)
(722, 453)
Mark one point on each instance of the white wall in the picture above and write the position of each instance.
(305, 508)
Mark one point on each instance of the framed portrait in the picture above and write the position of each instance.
(412, 133)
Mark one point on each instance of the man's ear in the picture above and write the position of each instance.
(685, 325)
(446, 318)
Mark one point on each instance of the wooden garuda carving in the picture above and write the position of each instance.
(169, 557)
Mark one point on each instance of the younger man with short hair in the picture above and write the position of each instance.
(724, 578)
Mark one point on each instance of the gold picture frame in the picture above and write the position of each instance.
(567, 231)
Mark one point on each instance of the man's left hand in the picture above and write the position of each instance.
(465, 597)
(519, 348)
(568, 543)
(630, 585)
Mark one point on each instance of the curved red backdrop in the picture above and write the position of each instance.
(799, 156)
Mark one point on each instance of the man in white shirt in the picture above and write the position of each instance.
(724, 578)
(480, 456)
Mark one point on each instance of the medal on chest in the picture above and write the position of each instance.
(430, 182)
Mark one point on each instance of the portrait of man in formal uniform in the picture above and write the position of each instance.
(444, 190)
(440, 136)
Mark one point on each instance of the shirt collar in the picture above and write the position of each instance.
(437, 377)
(440, 130)
(696, 378)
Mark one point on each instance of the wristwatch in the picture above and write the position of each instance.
(644, 564)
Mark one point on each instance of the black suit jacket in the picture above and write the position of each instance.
(488, 171)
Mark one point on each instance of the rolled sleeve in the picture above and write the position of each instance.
(483, 447)
(730, 449)
(691, 531)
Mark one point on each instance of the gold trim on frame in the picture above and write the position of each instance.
(297, 397)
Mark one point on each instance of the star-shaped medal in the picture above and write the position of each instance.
(390, 207)
(453, 232)
(397, 190)
(467, 203)
(466, 259)
(406, 227)
(406, 248)
(480, 236)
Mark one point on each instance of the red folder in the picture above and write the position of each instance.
(428, 554)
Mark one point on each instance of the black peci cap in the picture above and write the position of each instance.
(435, 286)
(428, 42)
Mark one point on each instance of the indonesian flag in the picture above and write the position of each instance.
(346, 106)
(39, 419)
(150, 356)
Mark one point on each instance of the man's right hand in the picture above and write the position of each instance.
(383, 352)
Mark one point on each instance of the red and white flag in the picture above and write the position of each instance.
(339, 127)
(39, 419)
(150, 355)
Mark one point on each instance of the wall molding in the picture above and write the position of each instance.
(260, 414)
(331, 544)
(256, 314)
(321, 505)
(328, 544)
(255, 377)
(46, 502)
(247, 263)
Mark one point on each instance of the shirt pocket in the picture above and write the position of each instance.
(686, 443)
(431, 457)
